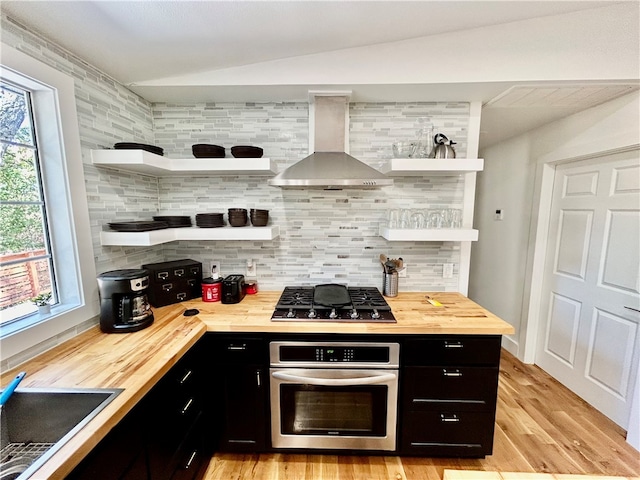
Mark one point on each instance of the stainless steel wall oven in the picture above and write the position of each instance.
(336, 395)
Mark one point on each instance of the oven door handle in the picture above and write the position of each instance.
(331, 382)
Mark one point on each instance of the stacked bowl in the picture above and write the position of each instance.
(209, 220)
(259, 218)
(204, 150)
(246, 151)
(238, 217)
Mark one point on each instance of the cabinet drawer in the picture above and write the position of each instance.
(184, 379)
(448, 433)
(463, 388)
(452, 350)
(181, 414)
(239, 350)
(191, 456)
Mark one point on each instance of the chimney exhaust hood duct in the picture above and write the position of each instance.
(329, 167)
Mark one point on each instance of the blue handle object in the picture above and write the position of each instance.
(6, 393)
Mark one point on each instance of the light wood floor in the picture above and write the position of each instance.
(540, 427)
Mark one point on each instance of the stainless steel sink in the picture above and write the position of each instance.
(36, 422)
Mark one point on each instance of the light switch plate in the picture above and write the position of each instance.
(251, 271)
(447, 270)
(214, 267)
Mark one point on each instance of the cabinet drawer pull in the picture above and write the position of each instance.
(451, 418)
(237, 347)
(187, 406)
(455, 373)
(453, 344)
(190, 461)
(258, 378)
(186, 376)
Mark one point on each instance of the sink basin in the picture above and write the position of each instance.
(37, 422)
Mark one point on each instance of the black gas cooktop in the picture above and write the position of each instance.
(365, 304)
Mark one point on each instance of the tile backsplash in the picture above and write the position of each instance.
(325, 236)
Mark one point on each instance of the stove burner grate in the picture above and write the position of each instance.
(367, 305)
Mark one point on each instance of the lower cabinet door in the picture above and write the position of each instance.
(244, 422)
(120, 455)
(441, 433)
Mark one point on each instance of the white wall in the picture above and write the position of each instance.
(503, 276)
(498, 259)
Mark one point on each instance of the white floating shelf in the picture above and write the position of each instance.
(429, 234)
(141, 161)
(407, 167)
(156, 237)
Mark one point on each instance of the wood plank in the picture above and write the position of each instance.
(481, 475)
(470, 475)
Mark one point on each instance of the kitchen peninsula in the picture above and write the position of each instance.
(137, 361)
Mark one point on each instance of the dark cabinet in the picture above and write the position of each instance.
(120, 455)
(240, 399)
(163, 437)
(449, 390)
(175, 417)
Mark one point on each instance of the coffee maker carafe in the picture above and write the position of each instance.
(124, 306)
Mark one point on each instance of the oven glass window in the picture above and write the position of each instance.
(316, 410)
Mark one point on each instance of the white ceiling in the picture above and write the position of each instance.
(159, 48)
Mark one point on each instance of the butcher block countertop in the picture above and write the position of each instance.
(414, 314)
(136, 361)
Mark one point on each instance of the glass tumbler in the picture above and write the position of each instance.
(405, 218)
(435, 219)
(418, 220)
(393, 218)
(456, 218)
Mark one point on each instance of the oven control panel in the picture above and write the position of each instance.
(332, 354)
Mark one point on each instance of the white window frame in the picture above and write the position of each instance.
(53, 96)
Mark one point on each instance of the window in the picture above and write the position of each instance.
(26, 266)
(69, 250)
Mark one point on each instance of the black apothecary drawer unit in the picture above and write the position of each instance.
(173, 282)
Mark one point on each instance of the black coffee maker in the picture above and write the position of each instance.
(124, 306)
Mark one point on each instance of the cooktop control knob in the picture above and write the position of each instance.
(311, 314)
(375, 313)
(354, 314)
(333, 313)
(291, 314)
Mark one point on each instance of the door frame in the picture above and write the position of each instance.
(539, 238)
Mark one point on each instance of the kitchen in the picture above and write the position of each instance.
(316, 245)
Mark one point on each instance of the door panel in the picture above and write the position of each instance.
(563, 323)
(574, 233)
(611, 351)
(621, 231)
(588, 340)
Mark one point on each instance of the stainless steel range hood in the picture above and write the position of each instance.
(329, 167)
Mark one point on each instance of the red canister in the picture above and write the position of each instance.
(211, 289)
(251, 287)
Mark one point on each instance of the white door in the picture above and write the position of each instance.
(589, 332)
